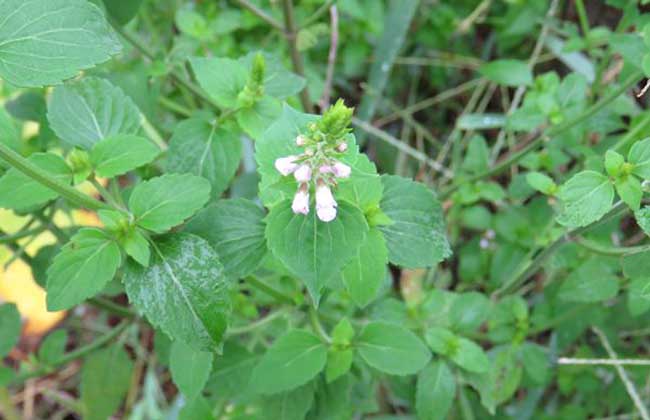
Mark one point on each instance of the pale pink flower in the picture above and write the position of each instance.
(324, 197)
(286, 165)
(341, 170)
(342, 147)
(326, 214)
(303, 173)
(300, 204)
(325, 203)
(301, 140)
(326, 169)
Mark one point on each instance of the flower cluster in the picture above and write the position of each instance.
(319, 164)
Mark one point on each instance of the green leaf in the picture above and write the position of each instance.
(45, 42)
(82, 269)
(10, 326)
(364, 187)
(468, 311)
(339, 362)
(190, 368)
(592, 281)
(638, 296)
(121, 153)
(105, 380)
(291, 405)
(535, 362)
(84, 112)
(21, 193)
(614, 163)
(197, 409)
(392, 349)
(436, 389)
(636, 265)
(292, 360)
(201, 148)
(507, 72)
(137, 247)
(53, 347)
(184, 291)
(232, 371)
(417, 236)
(278, 81)
(315, 251)
(480, 122)
(122, 10)
(642, 217)
(235, 229)
(365, 274)
(470, 356)
(541, 182)
(166, 201)
(586, 197)
(629, 189)
(221, 78)
(256, 119)
(639, 156)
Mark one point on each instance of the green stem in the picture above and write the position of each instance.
(175, 106)
(48, 180)
(291, 35)
(548, 133)
(632, 134)
(13, 237)
(278, 295)
(317, 325)
(257, 324)
(536, 263)
(261, 14)
(113, 308)
(73, 355)
(318, 13)
(582, 16)
(608, 250)
(107, 196)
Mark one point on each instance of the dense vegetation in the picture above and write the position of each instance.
(324, 209)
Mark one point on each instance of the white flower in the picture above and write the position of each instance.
(341, 170)
(324, 197)
(342, 147)
(303, 173)
(300, 203)
(301, 140)
(326, 214)
(325, 203)
(286, 165)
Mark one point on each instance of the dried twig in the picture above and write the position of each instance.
(331, 58)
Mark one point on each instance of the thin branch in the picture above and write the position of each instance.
(604, 362)
(382, 135)
(261, 14)
(291, 34)
(318, 13)
(519, 93)
(629, 385)
(331, 58)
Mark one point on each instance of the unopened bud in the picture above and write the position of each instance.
(303, 173)
(301, 140)
(326, 169)
(286, 165)
(326, 214)
(342, 147)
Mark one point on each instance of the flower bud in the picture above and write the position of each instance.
(342, 147)
(310, 152)
(303, 173)
(286, 165)
(326, 169)
(341, 170)
(300, 204)
(301, 140)
(326, 214)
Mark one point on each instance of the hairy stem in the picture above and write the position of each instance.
(43, 177)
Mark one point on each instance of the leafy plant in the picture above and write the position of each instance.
(229, 242)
